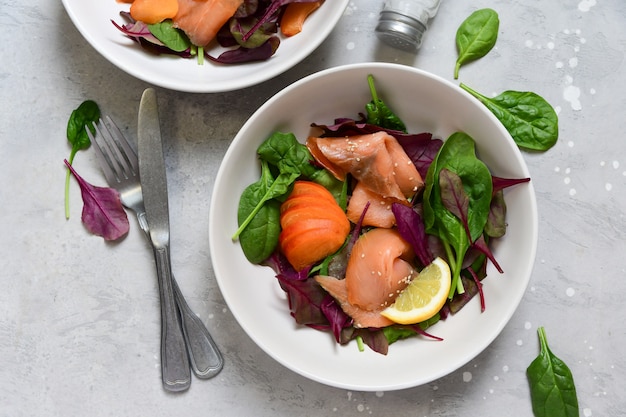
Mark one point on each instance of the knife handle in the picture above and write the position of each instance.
(175, 370)
(205, 357)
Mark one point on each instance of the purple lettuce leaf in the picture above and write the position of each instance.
(241, 55)
(103, 213)
(305, 300)
(337, 318)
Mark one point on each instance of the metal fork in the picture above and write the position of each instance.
(120, 165)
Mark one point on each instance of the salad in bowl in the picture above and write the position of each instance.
(159, 52)
(370, 221)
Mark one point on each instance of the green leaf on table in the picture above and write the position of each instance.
(529, 118)
(552, 389)
(476, 36)
(81, 119)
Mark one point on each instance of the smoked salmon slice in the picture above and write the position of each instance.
(362, 318)
(378, 270)
(378, 213)
(377, 160)
(202, 19)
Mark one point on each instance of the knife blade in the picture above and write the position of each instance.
(175, 371)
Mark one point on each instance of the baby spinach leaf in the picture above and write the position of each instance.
(173, 38)
(379, 114)
(80, 119)
(457, 233)
(259, 239)
(476, 36)
(283, 151)
(552, 388)
(259, 193)
(529, 118)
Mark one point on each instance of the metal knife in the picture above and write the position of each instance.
(175, 370)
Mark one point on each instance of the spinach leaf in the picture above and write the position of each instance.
(476, 36)
(258, 209)
(457, 203)
(283, 151)
(259, 239)
(82, 117)
(259, 193)
(552, 388)
(173, 38)
(379, 114)
(529, 118)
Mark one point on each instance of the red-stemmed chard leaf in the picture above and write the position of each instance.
(454, 197)
(305, 300)
(481, 245)
(103, 213)
(479, 285)
(411, 228)
(337, 318)
(502, 183)
(241, 55)
(496, 221)
(271, 13)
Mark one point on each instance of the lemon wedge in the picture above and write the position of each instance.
(423, 297)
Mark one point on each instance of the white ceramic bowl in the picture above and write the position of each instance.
(426, 103)
(93, 20)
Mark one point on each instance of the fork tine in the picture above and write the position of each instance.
(127, 150)
(115, 153)
(103, 157)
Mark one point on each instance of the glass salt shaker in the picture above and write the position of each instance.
(402, 23)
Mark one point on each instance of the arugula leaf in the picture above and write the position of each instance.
(552, 388)
(476, 36)
(81, 118)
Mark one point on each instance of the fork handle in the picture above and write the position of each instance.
(204, 355)
(175, 370)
